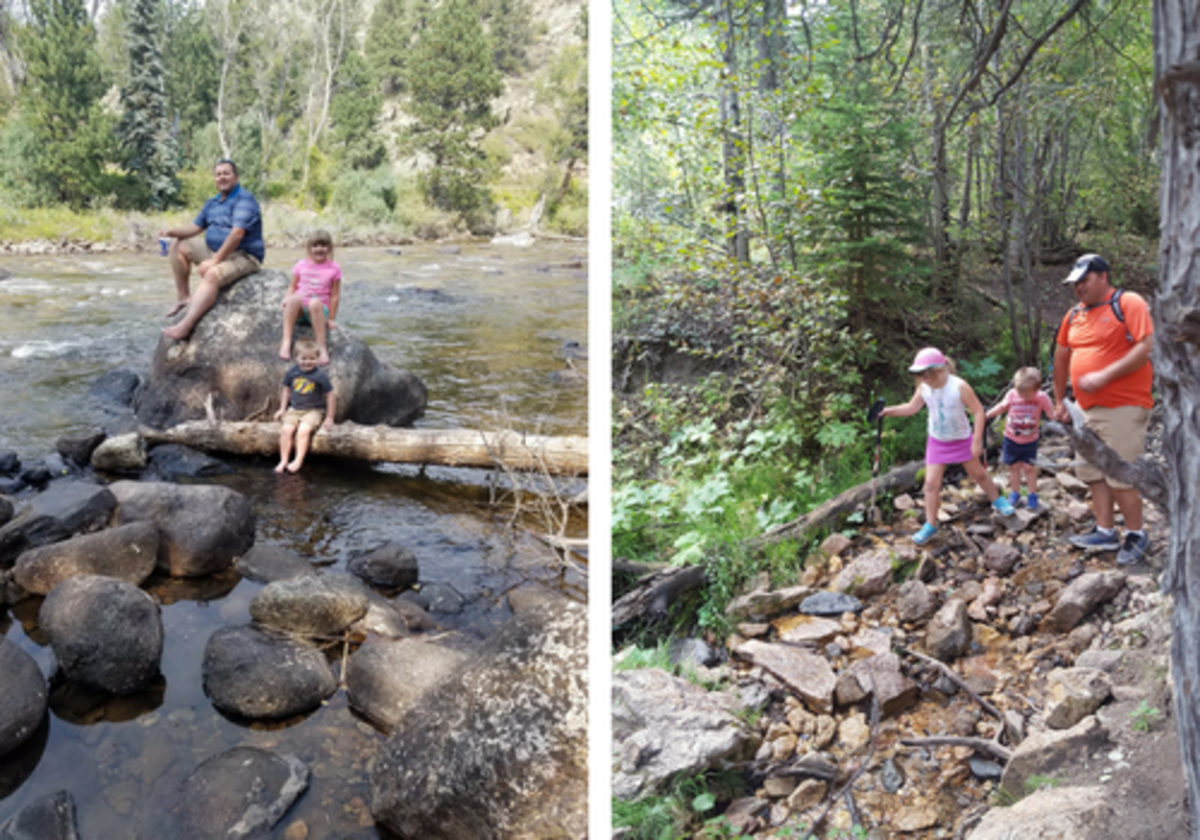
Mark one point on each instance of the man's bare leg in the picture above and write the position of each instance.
(1130, 504)
(181, 268)
(1102, 501)
(202, 301)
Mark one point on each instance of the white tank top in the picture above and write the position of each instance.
(948, 420)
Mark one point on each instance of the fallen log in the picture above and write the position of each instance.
(565, 456)
(655, 593)
(898, 479)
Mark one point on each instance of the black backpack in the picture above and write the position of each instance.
(1114, 301)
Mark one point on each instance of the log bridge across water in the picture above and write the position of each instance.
(562, 456)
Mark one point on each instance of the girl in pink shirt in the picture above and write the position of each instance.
(1025, 402)
(313, 295)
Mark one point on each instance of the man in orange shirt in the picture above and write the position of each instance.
(1108, 361)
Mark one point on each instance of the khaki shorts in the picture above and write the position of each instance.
(234, 267)
(1124, 430)
(311, 417)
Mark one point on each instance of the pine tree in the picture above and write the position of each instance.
(511, 31)
(145, 131)
(453, 83)
(72, 136)
(355, 113)
(395, 28)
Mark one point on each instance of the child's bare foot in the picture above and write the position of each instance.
(282, 466)
(323, 357)
(293, 467)
(285, 352)
(179, 306)
(176, 333)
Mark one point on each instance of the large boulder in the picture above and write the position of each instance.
(499, 747)
(237, 794)
(127, 552)
(202, 528)
(232, 358)
(25, 695)
(106, 634)
(257, 674)
(68, 507)
(666, 728)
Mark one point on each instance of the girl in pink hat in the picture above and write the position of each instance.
(952, 440)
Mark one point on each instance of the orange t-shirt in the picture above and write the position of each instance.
(1097, 339)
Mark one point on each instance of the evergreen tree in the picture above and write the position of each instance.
(192, 74)
(60, 105)
(511, 31)
(395, 28)
(453, 84)
(145, 130)
(355, 114)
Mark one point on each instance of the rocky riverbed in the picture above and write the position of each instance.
(995, 681)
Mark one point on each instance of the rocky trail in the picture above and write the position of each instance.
(994, 683)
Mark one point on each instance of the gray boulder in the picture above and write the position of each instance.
(202, 528)
(6, 511)
(948, 635)
(391, 566)
(1080, 597)
(1068, 813)
(311, 605)
(66, 508)
(232, 357)
(240, 793)
(127, 552)
(25, 695)
(500, 746)
(78, 447)
(269, 563)
(106, 634)
(50, 818)
(258, 674)
(665, 728)
(123, 453)
(386, 680)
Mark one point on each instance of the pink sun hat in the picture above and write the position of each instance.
(928, 357)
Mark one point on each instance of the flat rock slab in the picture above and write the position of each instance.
(807, 629)
(805, 673)
(830, 603)
(1069, 813)
(391, 566)
(1080, 597)
(25, 693)
(1044, 752)
(767, 602)
(127, 552)
(258, 674)
(664, 728)
(311, 605)
(386, 680)
(237, 794)
(866, 576)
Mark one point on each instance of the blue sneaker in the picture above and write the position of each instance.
(925, 534)
(1094, 540)
(1031, 501)
(1014, 498)
(1133, 549)
(1002, 506)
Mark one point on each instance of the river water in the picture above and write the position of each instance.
(487, 328)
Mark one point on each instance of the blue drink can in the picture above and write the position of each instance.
(163, 244)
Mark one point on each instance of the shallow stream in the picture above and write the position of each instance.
(488, 329)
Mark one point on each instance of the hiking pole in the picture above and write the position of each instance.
(875, 416)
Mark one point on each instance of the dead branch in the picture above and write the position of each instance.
(981, 744)
(957, 680)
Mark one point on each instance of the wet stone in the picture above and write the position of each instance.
(891, 776)
(830, 604)
(984, 770)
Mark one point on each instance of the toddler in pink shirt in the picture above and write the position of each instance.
(1025, 402)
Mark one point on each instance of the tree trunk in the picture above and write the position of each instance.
(737, 243)
(1177, 76)
(445, 447)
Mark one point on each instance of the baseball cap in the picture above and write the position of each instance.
(927, 358)
(1085, 264)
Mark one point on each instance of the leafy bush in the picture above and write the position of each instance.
(366, 197)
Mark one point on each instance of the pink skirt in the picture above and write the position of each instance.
(947, 451)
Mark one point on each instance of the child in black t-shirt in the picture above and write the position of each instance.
(307, 405)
